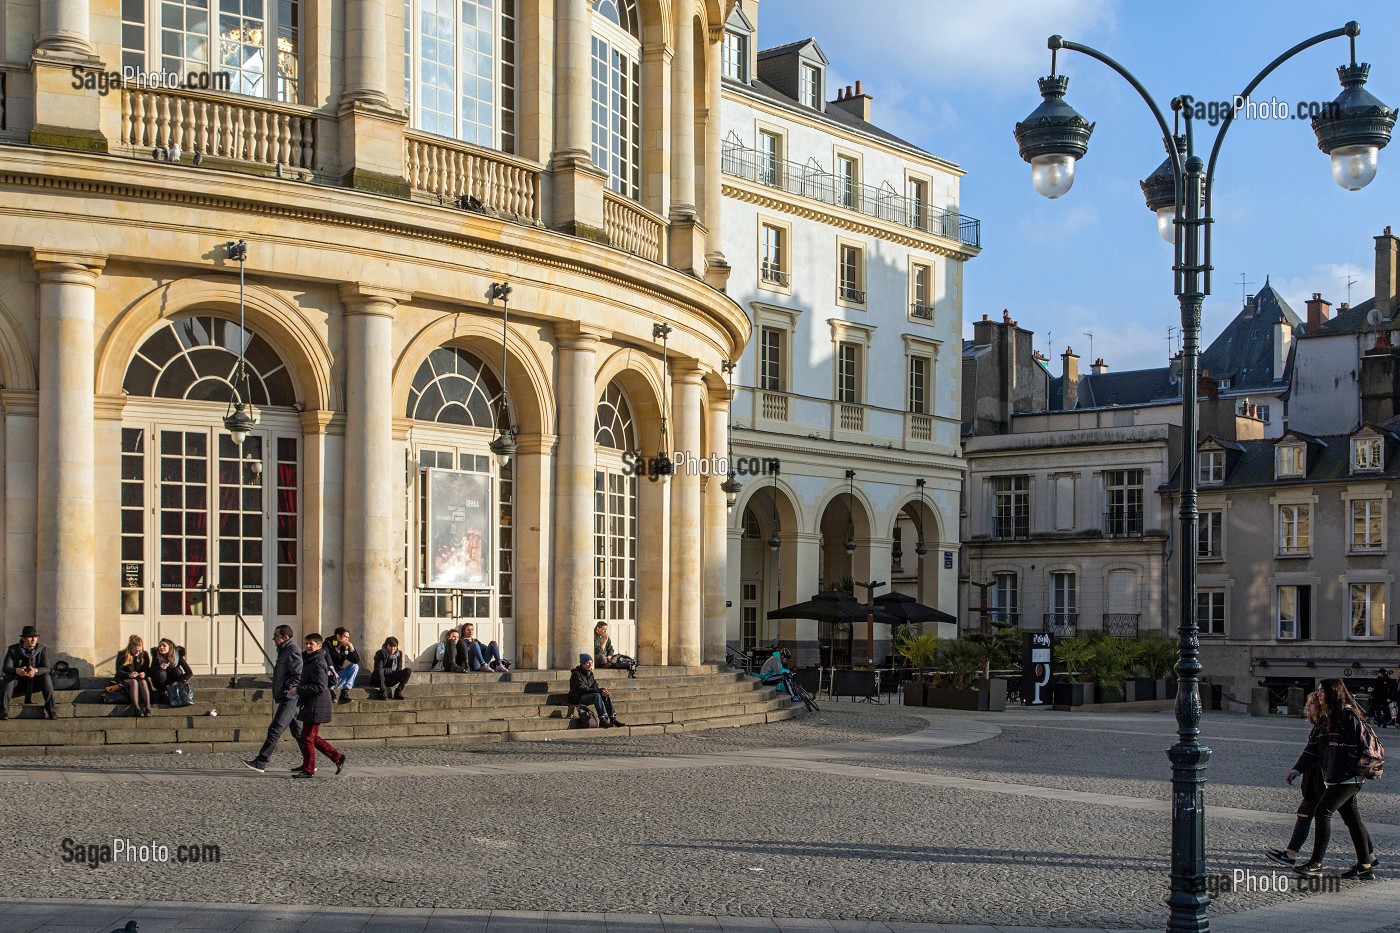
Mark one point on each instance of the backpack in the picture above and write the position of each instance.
(587, 717)
(180, 694)
(1370, 763)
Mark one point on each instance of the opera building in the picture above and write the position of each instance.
(356, 313)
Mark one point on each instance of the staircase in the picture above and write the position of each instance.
(437, 709)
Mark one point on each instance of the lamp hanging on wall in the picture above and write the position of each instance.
(503, 447)
(662, 465)
(731, 485)
(240, 418)
(774, 542)
(850, 511)
(919, 548)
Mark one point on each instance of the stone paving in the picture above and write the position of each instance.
(858, 817)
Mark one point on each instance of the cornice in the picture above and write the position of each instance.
(759, 195)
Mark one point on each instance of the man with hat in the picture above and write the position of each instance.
(584, 690)
(27, 663)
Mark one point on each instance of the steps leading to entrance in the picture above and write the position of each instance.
(437, 708)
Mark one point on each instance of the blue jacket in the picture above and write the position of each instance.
(286, 673)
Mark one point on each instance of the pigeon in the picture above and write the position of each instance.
(131, 927)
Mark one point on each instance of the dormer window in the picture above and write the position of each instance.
(734, 56)
(1290, 460)
(1210, 467)
(810, 88)
(1365, 454)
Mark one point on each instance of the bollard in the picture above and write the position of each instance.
(1259, 701)
(1297, 699)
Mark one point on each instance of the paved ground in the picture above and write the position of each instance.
(857, 818)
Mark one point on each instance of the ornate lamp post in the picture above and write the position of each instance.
(240, 418)
(503, 447)
(1352, 131)
(663, 466)
(731, 485)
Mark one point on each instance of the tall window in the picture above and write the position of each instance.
(770, 371)
(850, 271)
(770, 158)
(916, 191)
(1367, 610)
(918, 384)
(1123, 498)
(617, 94)
(255, 43)
(848, 373)
(1006, 598)
(1290, 460)
(921, 290)
(1294, 612)
(734, 56)
(1294, 530)
(1210, 467)
(1210, 611)
(459, 69)
(1064, 596)
(772, 255)
(847, 181)
(1366, 518)
(1365, 454)
(810, 89)
(1011, 507)
(615, 516)
(1209, 535)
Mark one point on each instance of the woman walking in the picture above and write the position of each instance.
(314, 707)
(1312, 792)
(1335, 746)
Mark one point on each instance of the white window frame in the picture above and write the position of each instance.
(850, 370)
(1300, 606)
(1210, 467)
(850, 274)
(1064, 593)
(809, 85)
(772, 371)
(1375, 628)
(917, 190)
(1374, 508)
(1367, 455)
(919, 386)
(860, 336)
(617, 137)
(770, 156)
(784, 321)
(1011, 506)
(846, 173)
(1290, 460)
(1293, 529)
(1211, 623)
(776, 275)
(734, 56)
(921, 307)
(1210, 541)
(1005, 597)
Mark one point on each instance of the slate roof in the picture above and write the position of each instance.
(783, 49)
(1244, 351)
(1129, 387)
(833, 113)
(1329, 461)
(1352, 321)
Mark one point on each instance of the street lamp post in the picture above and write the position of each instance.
(1351, 130)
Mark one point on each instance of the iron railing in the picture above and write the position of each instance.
(1011, 527)
(1121, 624)
(1001, 617)
(812, 181)
(851, 293)
(773, 275)
(1123, 522)
(923, 312)
(1062, 624)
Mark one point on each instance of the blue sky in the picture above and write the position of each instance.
(955, 77)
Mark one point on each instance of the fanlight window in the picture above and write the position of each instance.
(194, 358)
(453, 386)
(615, 427)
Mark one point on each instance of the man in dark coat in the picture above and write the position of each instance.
(390, 672)
(584, 689)
(286, 674)
(27, 665)
(344, 661)
(313, 695)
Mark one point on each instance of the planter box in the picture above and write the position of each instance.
(914, 691)
(953, 698)
(991, 695)
(1138, 689)
(1063, 696)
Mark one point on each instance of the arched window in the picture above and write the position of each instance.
(615, 520)
(617, 94)
(194, 358)
(248, 47)
(453, 386)
(615, 429)
(459, 69)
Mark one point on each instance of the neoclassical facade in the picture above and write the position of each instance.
(385, 163)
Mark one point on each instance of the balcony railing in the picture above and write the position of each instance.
(452, 170)
(235, 129)
(920, 427)
(814, 182)
(852, 417)
(1062, 624)
(775, 406)
(922, 312)
(1121, 624)
(1001, 617)
(773, 275)
(1123, 523)
(814, 417)
(851, 293)
(1009, 528)
(633, 228)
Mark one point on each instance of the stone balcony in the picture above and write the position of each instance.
(808, 416)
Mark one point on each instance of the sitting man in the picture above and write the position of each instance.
(481, 657)
(584, 689)
(27, 665)
(390, 673)
(774, 673)
(606, 656)
(451, 653)
(344, 662)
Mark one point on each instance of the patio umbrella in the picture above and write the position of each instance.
(834, 606)
(908, 609)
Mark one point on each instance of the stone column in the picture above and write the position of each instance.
(371, 133)
(716, 538)
(21, 487)
(576, 205)
(316, 504)
(716, 267)
(373, 555)
(534, 475)
(366, 77)
(66, 117)
(687, 589)
(65, 563)
(683, 115)
(574, 463)
(799, 556)
(64, 28)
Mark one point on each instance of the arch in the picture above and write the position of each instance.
(528, 386)
(758, 494)
(639, 375)
(929, 509)
(455, 386)
(197, 357)
(862, 517)
(270, 314)
(614, 426)
(16, 363)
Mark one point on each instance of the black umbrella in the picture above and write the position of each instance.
(908, 609)
(834, 606)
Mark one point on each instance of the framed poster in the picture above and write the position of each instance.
(459, 530)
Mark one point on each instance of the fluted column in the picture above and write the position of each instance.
(366, 73)
(64, 28)
(64, 562)
(573, 494)
(716, 267)
(373, 555)
(687, 590)
(712, 636)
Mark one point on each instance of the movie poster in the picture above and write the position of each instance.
(459, 530)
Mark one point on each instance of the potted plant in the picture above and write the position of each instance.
(959, 663)
(921, 651)
(1107, 665)
(1157, 657)
(1072, 689)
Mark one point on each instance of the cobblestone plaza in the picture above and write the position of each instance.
(853, 818)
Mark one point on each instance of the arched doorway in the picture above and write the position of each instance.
(209, 528)
(615, 506)
(459, 536)
(913, 573)
(845, 528)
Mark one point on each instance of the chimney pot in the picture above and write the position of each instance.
(1318, 309)
(859, 91)
(984, 317)
(1387, 261)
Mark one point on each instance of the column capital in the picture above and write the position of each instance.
(19, 402)
(361, 298)
(319, 421)
(715, 33)
(576, 335)
(108, 407)
(529, 445)
(72, 267)
(686, 372)
(721, 397)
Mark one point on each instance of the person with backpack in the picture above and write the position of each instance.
(584, 691)
(168, 669)
(1312, 791)
(1344, 746)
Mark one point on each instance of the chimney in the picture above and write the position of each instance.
(1207, 387)
(1099, 367)
(1174, 372)
(1283, 341)
(1319, 310)
(854, 101)
(1387, 253)
(1380, 382)
(1069, 383)
(1251, 305)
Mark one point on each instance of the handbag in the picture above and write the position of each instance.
(65, 676)
(180, 694)
(115, 693)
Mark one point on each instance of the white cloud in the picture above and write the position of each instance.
(1331, 280)
(1056, 226)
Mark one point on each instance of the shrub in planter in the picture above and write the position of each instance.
(1109, 662)
(921, 651)
(960, 662)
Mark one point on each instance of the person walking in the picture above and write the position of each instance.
(1381, 694)
(27, 666)
(286, 674)
(314, 707)
(1335, 745)
(1312, 791)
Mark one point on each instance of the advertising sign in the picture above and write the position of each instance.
(1035, 668)
(459, 530)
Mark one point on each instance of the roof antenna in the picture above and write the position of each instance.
(1090, 335)
(1171, 336)
(1244, 290)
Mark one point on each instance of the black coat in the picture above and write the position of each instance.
(178, 673)
(141, 664)
(14, 659)
(387, 663)
(1335, 751)
(286, 673)
(313, 692)
(580, 682)
(338, 656)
